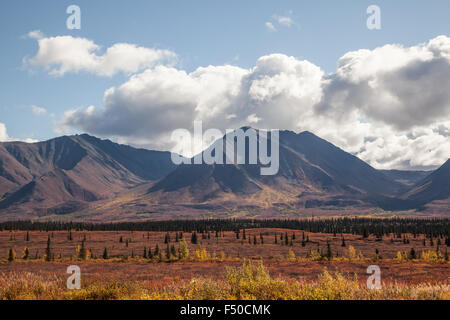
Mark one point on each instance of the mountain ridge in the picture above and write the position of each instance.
(99, 178)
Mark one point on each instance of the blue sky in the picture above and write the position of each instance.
(200, 32)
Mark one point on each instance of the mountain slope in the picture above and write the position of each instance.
(308, 166)
(436, 186)
(70, 171)
(408, 178)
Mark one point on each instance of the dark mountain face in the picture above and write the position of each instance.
(73, 169)
(408, 178)
(307, 165)
(71, 174)
(435, 186)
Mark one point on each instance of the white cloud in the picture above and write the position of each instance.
(62, 54)
(35, 34)
(284, 20)
(38, 110)
(253, 119)
(4, 137)
(389, 106)
(3, 133)
(402, 87)
(270, 26)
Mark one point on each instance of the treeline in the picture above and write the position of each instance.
(358, 226)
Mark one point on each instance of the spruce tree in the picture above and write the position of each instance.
(48, 251)
(412, 254)
(105, 254)
(11, 255)
(194, 238)
(83, 253)
(329, 253)
(173, 251)
(183, 250)
(26, 254)
(150, 253)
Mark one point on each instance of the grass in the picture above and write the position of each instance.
(247, 282)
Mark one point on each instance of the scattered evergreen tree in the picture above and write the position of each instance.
(167, 238)
(105, 254)
(26, 253)
(150, 253)
(48, 251)
(173, 251)
(194, 238)
(329, 253)
(183, 250)
(11, 255)
(83, 253)
(412, 254)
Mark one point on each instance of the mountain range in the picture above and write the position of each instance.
(85, 178)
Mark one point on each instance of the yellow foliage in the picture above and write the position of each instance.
(291, 255)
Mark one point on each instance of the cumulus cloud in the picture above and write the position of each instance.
(35, 34)
(269, 25)
(154, 103)
(402, 87)
(284, 20)
(389, 106)
(4, 137)
(3, 133)
(38, 110)
(63, 54)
